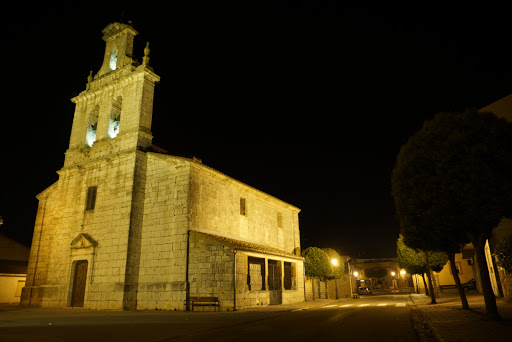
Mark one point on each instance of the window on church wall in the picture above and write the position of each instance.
(115, 118)
(280, 220)
(92, 126)
(90, 203)
(243, 206)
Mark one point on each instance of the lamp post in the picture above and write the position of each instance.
(335, 263)
(403, 272)
(356, 283)
(234, 279)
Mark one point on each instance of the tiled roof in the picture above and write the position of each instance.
(249, 246)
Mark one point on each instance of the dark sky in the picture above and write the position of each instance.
(308, 103)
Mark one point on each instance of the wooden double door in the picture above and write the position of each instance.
(274, 282)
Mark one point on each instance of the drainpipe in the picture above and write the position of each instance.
(304, 279)
(234, 279)
(187, 283)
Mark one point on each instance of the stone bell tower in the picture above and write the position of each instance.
(87, 235)
(115, 111)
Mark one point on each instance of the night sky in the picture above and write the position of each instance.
(308, 103)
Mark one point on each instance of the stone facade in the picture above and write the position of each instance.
(128, 226)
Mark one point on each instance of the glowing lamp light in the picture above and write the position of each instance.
(393, 274)
(356, 273)
(403, 272)
(334, 262)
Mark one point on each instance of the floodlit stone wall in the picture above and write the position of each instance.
(211, 266)
(211, 269)
(215, 208)
(62, 216)
(162, 275)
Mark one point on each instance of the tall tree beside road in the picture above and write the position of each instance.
(415, 262)
(338, 268)
(453, 177)
(412, 260)
(316, 262)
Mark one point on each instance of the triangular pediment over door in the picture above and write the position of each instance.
(83, 241)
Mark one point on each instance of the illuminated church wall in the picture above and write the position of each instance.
(114, 231)
(215, 208)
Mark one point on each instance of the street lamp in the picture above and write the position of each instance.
(403, 272)
(393, 273)
(334, 263)
(355, 274)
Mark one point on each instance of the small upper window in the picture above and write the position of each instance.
(243, 207)
(91, 198)
(280, 220)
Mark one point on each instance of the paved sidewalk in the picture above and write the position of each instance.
(449, 322)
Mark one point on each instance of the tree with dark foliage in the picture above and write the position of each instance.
(504, 253)
(454, 177)
(415, 262)
(316, 263)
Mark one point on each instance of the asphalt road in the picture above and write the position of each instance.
(370, 318)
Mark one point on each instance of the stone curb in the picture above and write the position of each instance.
(431, 326)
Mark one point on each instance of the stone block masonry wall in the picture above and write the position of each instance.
(215, 208)
(135, 233)
(211, 266)
(37, 270)
(162, 272)
(63, 216)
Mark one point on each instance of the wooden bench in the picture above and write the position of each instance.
(203, 301)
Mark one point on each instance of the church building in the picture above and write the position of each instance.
(129, 227)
